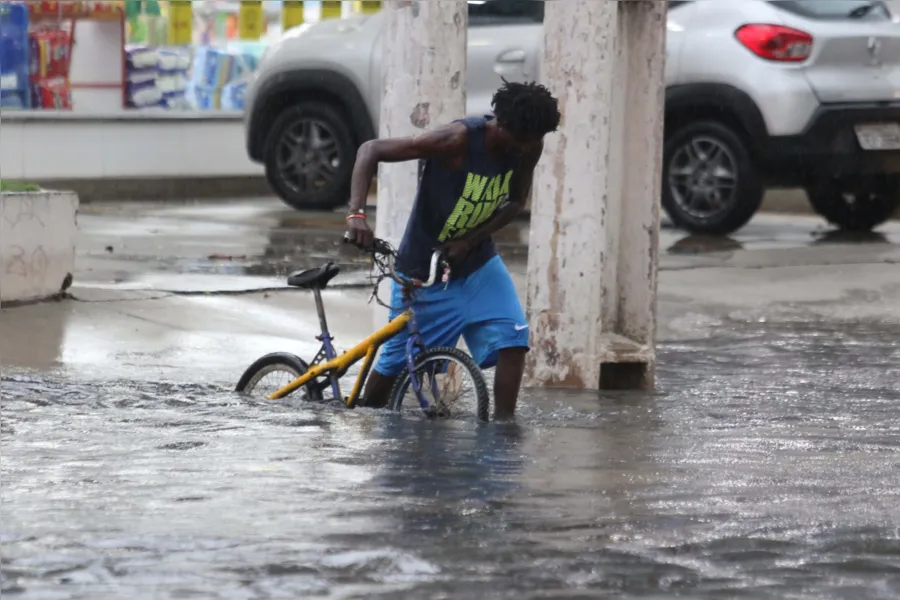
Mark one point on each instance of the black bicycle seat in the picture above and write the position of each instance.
(312, 279)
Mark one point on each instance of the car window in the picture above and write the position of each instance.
(837, 9)
(499, 12)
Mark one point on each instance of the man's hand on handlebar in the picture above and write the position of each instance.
(377, 246)
(439, 270)
(359, 234)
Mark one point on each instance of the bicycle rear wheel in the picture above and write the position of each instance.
(274, 371)
(451, 382)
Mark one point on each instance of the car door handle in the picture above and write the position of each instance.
(512, 56)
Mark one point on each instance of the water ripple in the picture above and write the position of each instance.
(765, 465)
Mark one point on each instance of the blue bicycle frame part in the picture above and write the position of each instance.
(326, 340)
(414, 341)
(331, 354)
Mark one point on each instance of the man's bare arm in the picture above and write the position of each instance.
(447, 141)
(519, 188)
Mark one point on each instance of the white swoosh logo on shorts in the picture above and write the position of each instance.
(521, 327)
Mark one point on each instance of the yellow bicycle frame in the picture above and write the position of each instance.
(366, 349)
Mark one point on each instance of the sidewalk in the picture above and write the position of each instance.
(196, 292)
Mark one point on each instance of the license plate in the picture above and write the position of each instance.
(879, 136)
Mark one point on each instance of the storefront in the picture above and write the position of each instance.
(141, 54)
(138, 89)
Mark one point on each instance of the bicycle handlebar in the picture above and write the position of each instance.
(383, 248)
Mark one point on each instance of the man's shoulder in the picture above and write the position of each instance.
(452, 139)
(459, 129)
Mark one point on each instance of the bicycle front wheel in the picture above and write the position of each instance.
(451, 383)
(274, 371)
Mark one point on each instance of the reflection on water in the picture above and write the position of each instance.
(837, 236)
(765, 466)
(702, 244)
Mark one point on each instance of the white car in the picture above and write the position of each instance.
(760, 93)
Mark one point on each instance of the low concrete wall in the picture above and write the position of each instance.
(37, 244)
(131, 155)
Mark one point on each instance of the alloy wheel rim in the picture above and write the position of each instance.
(703, 178)
(308, 155)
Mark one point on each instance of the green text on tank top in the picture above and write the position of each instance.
(451, 203)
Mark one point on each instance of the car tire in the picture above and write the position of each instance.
(320, 180)
(856, 205)
(702, 162)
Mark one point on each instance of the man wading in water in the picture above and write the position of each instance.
(476, 178)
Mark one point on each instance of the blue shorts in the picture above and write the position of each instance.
(483, 308)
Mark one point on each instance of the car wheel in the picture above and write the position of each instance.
(710, 185)
(309, 155)
(856, 204)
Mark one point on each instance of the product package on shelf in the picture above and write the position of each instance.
(14, 100)
(15, 50)
(103, 8)
(50, 53)
(233, 95)
(176, 60)
(140, 77)
(244, 64)
(212, 67)
(174, 68)
(142, 91)
(53, 93)
(218, 77)
(173, 87)
(202, 97)
(67, 9)
(140, 57)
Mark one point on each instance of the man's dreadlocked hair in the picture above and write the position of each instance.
(525, 109)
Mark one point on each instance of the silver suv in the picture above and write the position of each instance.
(760, 93)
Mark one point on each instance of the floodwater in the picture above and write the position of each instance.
(767, 465)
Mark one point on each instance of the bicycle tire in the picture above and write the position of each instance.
(269, 363)
(483, 397)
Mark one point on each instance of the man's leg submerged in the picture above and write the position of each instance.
(440, 324)
(497, 332)
(508, 381)
(378, 388)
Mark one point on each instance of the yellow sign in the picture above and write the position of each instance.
(331, 9)
(251, 21)
(368, 7)
(181, 23)
(291, 14)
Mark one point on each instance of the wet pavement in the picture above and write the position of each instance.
(764, 466)
(133, 242)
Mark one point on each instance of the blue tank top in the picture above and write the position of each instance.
(451, 203)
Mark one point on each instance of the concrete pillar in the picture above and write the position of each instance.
(595, 210)
(423, 76)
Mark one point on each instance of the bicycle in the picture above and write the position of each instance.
(327, 368)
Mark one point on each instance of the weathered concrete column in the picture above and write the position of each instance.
(423, 76)
(595, 215)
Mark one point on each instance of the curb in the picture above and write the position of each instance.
(781, 201)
